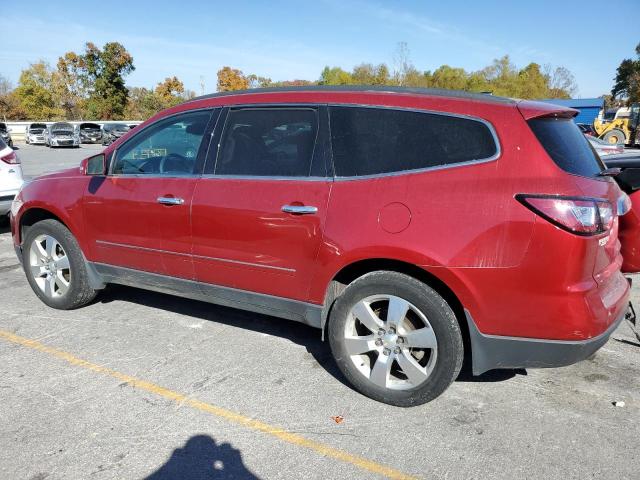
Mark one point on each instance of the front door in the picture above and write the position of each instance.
(258, 218)
(138, 216)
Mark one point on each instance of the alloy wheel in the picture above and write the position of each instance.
(49, 266)
(391, 342)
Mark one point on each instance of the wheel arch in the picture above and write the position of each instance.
(33, 215)
(352, 271)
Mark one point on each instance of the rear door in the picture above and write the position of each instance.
(259, 213)
(138, 216)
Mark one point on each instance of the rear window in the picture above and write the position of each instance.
(567, 146)
(370, 141)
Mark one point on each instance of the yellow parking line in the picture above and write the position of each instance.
(229, 415)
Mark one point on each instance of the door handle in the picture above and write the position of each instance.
(170, 201)
(300, 209)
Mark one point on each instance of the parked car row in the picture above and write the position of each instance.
(64, 134)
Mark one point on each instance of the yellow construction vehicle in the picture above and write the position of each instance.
(621, 127)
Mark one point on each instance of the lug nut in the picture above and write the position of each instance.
(400, 340)
(396, 350)
(381, 332)
(379, 342)
(386, 351)
(392, 330)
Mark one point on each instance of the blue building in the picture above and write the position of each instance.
(588, 107)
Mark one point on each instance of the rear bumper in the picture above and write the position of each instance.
(492, 351)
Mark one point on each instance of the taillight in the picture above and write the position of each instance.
(10, 158)
(579, 215)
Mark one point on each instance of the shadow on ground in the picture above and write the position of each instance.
(298, 333)
(202, 458)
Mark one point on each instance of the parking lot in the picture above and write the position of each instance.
(146, 385)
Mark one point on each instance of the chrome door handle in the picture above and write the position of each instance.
(170, 201)
(299, 209)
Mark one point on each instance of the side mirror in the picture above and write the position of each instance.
(93, 165)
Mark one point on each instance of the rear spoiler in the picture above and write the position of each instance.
(531, 109)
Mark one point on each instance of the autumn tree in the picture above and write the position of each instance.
(71, 85)
(35, 93)
(10, 108)
(230, 79)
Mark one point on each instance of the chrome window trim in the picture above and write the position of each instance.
(114, 153)
(466, 163)
(202, 257)
(212, 176)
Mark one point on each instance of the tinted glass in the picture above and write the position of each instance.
(169, 147)
(268, 142)
(369, 141)
(566, 145)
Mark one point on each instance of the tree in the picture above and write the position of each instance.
(71, 85)
(627, 81)
(105, 70)
(368, 74)
(231, 79)
(170, 91)
(402, 63)
(35, 92)
(335, 76)
(561, 82)
(9, 103)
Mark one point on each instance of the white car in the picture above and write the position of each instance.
(10, 177)
(34, 133)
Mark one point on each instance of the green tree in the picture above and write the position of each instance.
(105, 70)
(369, 74)
(335, 76)
(627, 81)
(449, 77)
(35, 92)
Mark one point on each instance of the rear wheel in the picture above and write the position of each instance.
(614, 137)
(55, 267)
(395, 339)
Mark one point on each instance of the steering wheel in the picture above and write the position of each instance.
(182, 162)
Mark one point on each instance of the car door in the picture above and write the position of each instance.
(138, 216)
(259, 211)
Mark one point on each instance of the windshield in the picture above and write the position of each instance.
(2, 144)
(567, 146)
(121, 128)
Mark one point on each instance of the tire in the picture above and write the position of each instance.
(614, 137)
(58, 287)
(427, 343)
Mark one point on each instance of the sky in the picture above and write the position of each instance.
(286, 40)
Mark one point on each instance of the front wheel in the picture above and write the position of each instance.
(395, 339)
(55, 267)
(614, 137)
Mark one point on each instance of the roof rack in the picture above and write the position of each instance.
(439, 92)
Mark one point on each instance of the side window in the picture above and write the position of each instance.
(268, 142)
(169, 147)
(369, 141)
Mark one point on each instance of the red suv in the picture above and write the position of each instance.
(409, 225)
